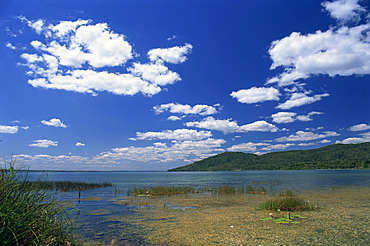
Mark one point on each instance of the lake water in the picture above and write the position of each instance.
(97, 205)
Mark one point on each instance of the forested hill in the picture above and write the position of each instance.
(336, 156)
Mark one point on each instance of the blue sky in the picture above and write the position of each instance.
(152, 85)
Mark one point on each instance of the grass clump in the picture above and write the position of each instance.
(287, 201)
(63, 185)
(30, 216)
(161, 191)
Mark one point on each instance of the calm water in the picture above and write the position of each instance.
(95, 216)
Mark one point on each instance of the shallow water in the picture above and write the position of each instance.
(102, 212)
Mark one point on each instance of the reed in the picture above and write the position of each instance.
(174, 190)
(30, 216)
(63, 185)
(287, 201)
(160, 191)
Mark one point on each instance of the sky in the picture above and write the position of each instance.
(152, 85)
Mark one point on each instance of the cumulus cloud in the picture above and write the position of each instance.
(10, 46)
(306, 136)
(230, 126)
(225, 126)
(308, 116)
(344, 51)
(79, 144)
(8, 129)
(299, 99)
(173, 55)
(246, 147)
(54, 122)
(364, 137)
(177, 108)
(178, 134)
(284, 117)
(84, 57)
(289, 117)
(359, 127)
(161, 152)
(44, 143)
(344, 10)
(254, 147)
(256, 95)
(173, 118)
(258, 126)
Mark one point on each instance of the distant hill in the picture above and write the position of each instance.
(336, 156)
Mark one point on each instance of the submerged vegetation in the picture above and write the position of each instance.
(30, 215)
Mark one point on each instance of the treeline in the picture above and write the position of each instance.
(336, 156)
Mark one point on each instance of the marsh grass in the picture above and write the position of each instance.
(30, 216)
(160, 191)
(174, 190)
(62, 185)
(288, 201)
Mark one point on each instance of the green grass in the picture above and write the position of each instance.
(63, 185)
(287, 201)
(160, 191)
(174, 190)
(30, 216)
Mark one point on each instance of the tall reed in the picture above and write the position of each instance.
(30, 216)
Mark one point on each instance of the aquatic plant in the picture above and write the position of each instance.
(62, 185)
(288, 203)
(287, 219)
(30, 216)
(160, 191)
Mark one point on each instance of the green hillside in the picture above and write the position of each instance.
(336, 156)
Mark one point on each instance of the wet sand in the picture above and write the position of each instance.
(343, 218)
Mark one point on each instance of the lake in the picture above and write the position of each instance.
(97, 205)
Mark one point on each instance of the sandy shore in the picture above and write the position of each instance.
(343, 218)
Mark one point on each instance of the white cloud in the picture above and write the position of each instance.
(44, 143)
(83, 57)
(246, 147)
(8, 129)
(173, 118)
(299, 99)
(54, 122)
(161, 152)
(344, 10)
(173, 55)
(10, 46)
(254, 147)
(225, 126)
(359, 127)
(344, 52)
(365, 138)
(308, 116)
(256, 95)
(258, 126)
(229, 126)
(156, 73)
(178, 134)
(79, 144)
(283, 117)
(277, 146)
(177, 108)
(307, 136)
(289, 117)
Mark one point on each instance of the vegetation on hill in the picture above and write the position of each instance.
(336, 156)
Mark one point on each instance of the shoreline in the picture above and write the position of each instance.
(342, 219)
